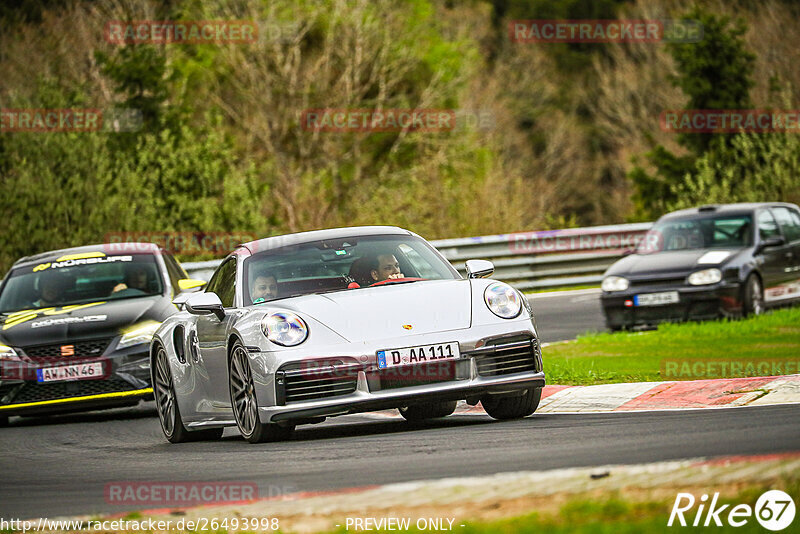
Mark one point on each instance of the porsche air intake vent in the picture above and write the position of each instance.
(508, 356)
(314, 380)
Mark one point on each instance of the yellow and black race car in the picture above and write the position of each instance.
(76, 324)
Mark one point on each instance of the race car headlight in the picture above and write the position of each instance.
(284, 328)
(7, 353)
(705, 277)
(138, 334)
(503, 300)
(614, 283)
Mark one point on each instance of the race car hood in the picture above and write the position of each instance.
(70, 323)
(387, 311)
(674, 262)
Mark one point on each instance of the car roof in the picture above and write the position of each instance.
(711, 210)
(105, 249)
(274, 242)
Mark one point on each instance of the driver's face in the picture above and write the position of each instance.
(51, 290)
(137, 279)
(265, 287)
(388, 267)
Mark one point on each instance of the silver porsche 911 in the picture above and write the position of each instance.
(296, 328)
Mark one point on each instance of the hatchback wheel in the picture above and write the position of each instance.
(753, 296)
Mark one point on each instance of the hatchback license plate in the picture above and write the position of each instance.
(79, 371)
(656, 299)
(419, 354)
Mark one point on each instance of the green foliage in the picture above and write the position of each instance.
(715, 73)
(751, 168)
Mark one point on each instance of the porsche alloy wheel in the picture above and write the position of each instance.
(244, 403)
(168, 412)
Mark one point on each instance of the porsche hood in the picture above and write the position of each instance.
(390, 311)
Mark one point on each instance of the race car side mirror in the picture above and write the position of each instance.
(204, 304)
(775, 241)
(479, 268)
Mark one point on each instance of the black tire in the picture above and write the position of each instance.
(429, 410)
(244, 403)
(616, 327)
(753, 297)
(508, 407)
(169, 414)
(3, 422)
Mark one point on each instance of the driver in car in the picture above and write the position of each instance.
(135, 278)
(265, 287)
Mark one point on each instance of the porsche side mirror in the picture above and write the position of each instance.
(204, 304)
(774, 241)
(479, 268)
(180, 300)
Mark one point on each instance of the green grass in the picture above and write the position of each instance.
(615, 514)
(764, 345)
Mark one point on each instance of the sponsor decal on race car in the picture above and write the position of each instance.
(67, 261)
(69, 320)
(24, 316)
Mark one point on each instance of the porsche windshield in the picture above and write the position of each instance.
(53, 284)
(341, 264)
(732, 231)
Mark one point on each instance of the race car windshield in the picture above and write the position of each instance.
(701, 233)
(79, 281)
(341, 265)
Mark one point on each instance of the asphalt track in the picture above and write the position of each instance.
(59, 466)
(564, 315)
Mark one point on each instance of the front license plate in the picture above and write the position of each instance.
(70, 372)
(656, 299)
(420, 354)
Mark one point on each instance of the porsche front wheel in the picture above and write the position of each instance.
(245, 406)
(167, 405)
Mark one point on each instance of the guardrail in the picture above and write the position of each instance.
(529, 260)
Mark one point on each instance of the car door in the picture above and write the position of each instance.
(774, 260)
(789, 222)
(212, 339)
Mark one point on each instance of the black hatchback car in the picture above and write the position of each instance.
(76, 324)
(713, 261)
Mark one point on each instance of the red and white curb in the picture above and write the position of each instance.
(641, 396)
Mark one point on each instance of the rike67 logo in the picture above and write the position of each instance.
(774, 510)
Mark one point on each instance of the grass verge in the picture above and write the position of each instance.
(760, 346)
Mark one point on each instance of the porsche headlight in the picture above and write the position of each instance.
(614, 283)
(503, 300)
(284, 328)
(705, 277)
(7, 353)
(138, 334)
